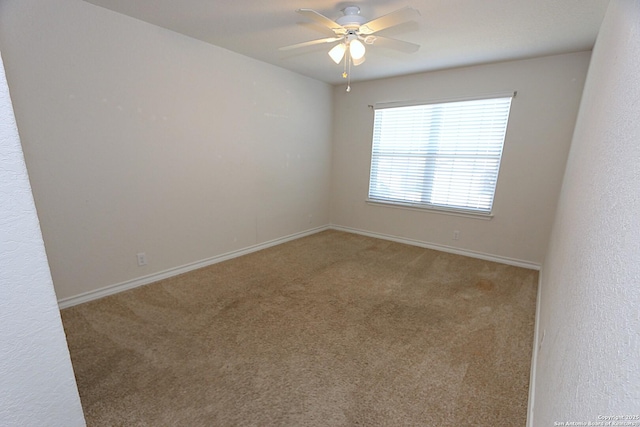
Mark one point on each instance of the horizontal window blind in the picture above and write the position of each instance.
(443, 155)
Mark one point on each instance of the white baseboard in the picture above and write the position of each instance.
(442, 248)
(145, 280)
(534, 356)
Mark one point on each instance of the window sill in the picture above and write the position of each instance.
(442, 211)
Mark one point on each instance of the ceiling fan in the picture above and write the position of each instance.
(352, 29)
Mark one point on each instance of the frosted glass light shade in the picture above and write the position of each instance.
(357, 62)
(337, 52)
(356, 49)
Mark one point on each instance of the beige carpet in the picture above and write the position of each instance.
(334, 329)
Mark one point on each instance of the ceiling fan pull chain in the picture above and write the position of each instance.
(349, 74)
(344, 72)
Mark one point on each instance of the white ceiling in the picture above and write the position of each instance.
(451, 33)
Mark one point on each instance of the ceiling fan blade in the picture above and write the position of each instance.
(320, 18)
(393, 44)
(311, 43)
(394, 18)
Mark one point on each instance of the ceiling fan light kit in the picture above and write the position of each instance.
(353, 31)
(355, 47)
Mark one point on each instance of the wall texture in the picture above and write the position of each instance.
(139, 139)
(538, 138)
(37, 386)
(588, 363)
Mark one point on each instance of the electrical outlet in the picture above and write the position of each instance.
(456, 234)
(142, 259)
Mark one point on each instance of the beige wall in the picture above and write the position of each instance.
(588, 362)
(541, 124)
(141, 139)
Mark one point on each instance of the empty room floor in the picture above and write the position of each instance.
(331, 329)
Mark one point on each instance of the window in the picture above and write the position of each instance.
(440, 156)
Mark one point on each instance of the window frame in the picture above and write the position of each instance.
(449, 210)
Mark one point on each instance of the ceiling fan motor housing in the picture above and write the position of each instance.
(352, 20)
